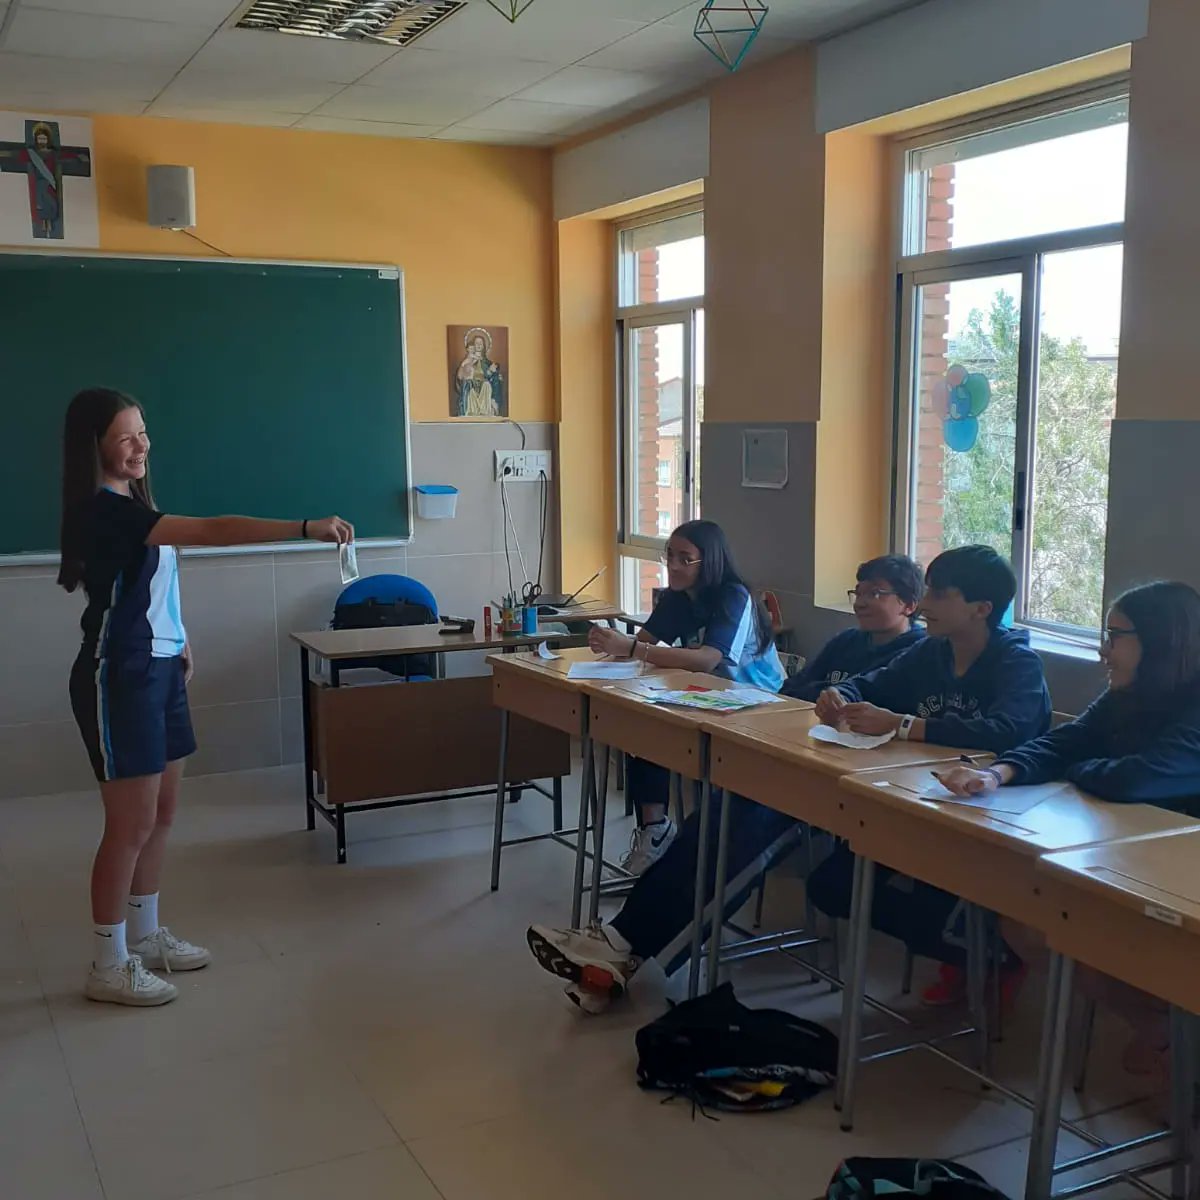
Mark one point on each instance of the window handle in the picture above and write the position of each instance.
(1019, 504)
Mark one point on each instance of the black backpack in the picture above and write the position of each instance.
(378, 614)
(723, 1055)
(939, 1179)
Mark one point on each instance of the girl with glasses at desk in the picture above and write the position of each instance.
(1139, 743)
(720, 628)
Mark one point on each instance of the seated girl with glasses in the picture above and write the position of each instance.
(720, 627)
(1139, 743)
(888, 593)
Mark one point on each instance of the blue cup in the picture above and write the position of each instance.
(529, 622)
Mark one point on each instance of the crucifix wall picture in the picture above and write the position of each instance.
(47, 184)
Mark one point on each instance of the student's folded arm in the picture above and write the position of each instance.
(892, 687)
(1049, 757)
(809, 681)
(691, 658)
(1020, 712)
(1168, 770)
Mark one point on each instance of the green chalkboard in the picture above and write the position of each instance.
(270, 389)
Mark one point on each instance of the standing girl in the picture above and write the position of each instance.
(129, 683)
(721, 629)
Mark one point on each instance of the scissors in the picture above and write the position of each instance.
(530, 594)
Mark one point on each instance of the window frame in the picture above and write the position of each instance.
(1021, 256)
(629, 318)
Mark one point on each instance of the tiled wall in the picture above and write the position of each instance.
(240, 609)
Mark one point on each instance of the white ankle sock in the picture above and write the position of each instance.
(110, 950)
(615, 940)
(143, 916)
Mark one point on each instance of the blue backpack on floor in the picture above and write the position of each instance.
(937, 1178)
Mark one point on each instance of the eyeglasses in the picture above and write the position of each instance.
(677, 560)
(1110, 636)
(875, 594)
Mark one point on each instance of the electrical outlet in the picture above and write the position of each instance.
(522, 466)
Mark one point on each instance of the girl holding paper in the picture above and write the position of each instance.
(129, 681)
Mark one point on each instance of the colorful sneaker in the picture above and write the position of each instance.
(949, 988)
(647, 845)
(128, 984)
(163, 951)
(587, 959)
(592, 1003)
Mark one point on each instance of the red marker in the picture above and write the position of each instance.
(487, 622)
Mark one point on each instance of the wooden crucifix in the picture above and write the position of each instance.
(44, 160)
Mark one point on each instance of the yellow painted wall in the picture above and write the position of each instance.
(586, 386)
(469, 224)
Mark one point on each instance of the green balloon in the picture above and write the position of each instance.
(979, 390)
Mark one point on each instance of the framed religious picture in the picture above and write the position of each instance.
(47, 182)
(478, 370)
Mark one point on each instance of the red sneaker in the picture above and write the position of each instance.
(950, 987)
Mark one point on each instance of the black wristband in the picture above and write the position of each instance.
(304, 528)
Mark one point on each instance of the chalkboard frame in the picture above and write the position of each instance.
(383, 270)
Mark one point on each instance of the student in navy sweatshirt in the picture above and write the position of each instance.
(888, 592)
(1139, 743)
(971, 683)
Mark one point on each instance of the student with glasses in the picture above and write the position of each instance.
(706, 620)
(1139, 743)
(888, 592)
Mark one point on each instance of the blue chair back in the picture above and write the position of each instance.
(389, 589)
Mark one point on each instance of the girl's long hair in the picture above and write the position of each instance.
(717, 572)
(1166, 616)
(89, 415)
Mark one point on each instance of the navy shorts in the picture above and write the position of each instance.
(132, 712)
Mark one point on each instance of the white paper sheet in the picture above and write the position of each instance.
(852, 741)
(1012, 801)
(604, 670)
(348, 561)
(544, 651)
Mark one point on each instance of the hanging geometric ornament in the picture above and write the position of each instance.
(510, 10)
(965, 396)
(727, 28)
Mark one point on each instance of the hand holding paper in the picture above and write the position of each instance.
(852, 741)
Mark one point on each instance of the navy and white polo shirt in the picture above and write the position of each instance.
(132, 589)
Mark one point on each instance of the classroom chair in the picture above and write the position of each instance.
(378, 600)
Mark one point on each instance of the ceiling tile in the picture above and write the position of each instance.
(391, 129)
(657, 47)
(187, 12)
(499, 137)
(288, 56)
(546, 33)
(215, 89)
(527, 116)
(362, 103)
(72, 35)
(598, 87)
(630, 10)
(473, 74)
(221, 116)
(40, 73)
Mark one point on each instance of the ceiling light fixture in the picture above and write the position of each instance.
(387, 22)
(510, 10)
(727, 29)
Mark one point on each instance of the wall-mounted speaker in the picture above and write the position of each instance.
(171, 197)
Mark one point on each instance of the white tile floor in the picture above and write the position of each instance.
(380, 1030)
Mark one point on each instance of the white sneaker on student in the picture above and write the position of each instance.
(163, 951)
(647, 845)
(586, 959)
(129, 983)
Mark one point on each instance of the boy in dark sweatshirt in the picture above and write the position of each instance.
(888, 593)
(970, 683)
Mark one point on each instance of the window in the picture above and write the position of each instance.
(660, 333)
(1010, 321)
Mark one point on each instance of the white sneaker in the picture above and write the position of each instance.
(647, 845)
(163, 951)
(587, 959)
(128, 984)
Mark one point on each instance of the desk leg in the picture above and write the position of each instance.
(306, 725)
(586, 785)
(598, 836)
(501, 779)
(1039, 1181)
(718, 901)
(556, 802)
(340, 827)
(977, 965)
(701, 876)
(862, 894)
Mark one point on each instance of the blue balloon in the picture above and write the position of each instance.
(960, 402)
(961, 435)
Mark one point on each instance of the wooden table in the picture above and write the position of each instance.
(588, 608)
(541, 690)
(403, 739)
(625, 716)
(1130, 909)
(989, 857)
